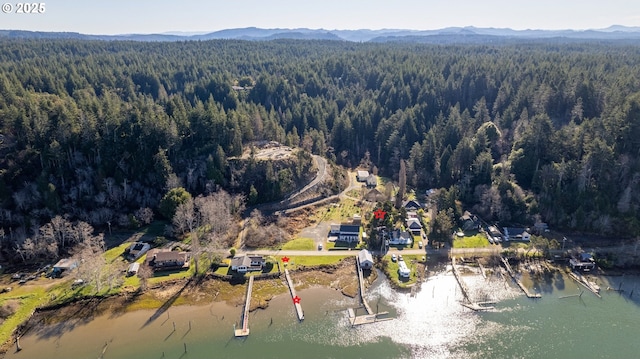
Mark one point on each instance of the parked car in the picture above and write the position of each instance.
(393, 257)
(420, 244)
(400, 257)
(319, 246)
(77, 283)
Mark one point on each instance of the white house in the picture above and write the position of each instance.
(136, 250)
(247, 263)
(400, 237)
(349, 233)
(516, 234)
(366, 260)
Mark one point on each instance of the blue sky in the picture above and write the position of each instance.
(158, 16)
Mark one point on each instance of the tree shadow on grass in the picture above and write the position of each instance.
(165, 306)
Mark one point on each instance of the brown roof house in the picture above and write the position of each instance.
(375, 196)
(165, 259)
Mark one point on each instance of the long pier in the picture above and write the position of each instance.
(463, 286)
(585, 283)
(244, 331)
(465, 291)
(518, 282)
(296, 303)
(370, 317)
(361, 282)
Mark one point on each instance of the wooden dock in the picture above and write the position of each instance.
(518, 282)
(292, 290)
(585, 283)
(482, 270)
(244, 331)
(463, 286)
(370, 317)
(465, 291)
(361, 282)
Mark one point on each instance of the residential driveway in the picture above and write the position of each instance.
(318, 232)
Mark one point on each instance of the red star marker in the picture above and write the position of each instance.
(285, 259)
(379, 213)
(296, 300)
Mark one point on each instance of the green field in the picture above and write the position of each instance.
(475, 241)
(300, 244)
(391, 270)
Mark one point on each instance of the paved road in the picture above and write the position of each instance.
(321, 163)
(429, 251)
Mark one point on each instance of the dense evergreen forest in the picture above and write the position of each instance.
(99, 131)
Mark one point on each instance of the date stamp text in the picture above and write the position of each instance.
(24, 8)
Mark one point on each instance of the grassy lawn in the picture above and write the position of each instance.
(300, 244)
(475, 241)
(172, 274)
(308, 261)
(116, 252)
(391, 270)
(338, 212)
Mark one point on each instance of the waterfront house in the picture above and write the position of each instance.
(399, 237)
(165, 259)
(247, 263)
(362, 176)
(584, 262)
(366, 259)
(516, 234)
(136, 250)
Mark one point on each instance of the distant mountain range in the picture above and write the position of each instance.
(446, 35)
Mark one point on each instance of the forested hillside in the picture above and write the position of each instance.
(98, 130)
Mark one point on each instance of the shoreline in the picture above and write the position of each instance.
(191, 292)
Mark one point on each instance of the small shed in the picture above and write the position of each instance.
(133, 269)
(64, 265)
(366, 259)
(362, 176)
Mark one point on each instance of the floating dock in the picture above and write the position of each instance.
(518, 282)
(244, 331)
(296, 303)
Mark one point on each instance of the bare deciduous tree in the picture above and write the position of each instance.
(144, 215)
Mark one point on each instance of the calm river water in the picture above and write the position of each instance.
(430, 323)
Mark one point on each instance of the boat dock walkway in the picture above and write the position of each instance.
(244, 331)
(585, 283)
(361, 282)
(370, 317)
(465, 291)
(296, 302)
(482, 270)
(518, 282)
